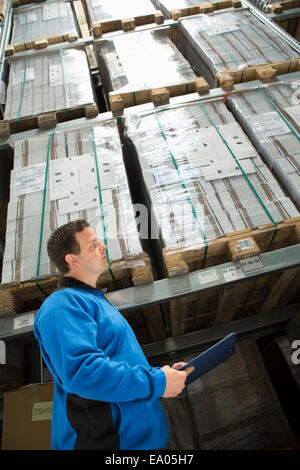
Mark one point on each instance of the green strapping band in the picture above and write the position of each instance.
(185, 190)
(278, 112)
(244, 174)
(43, 217)
(225, 48)
(63, 74)
(101, 206)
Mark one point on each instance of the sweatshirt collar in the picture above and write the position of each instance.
(68, 281)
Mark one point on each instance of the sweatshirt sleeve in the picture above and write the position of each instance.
(68, 338)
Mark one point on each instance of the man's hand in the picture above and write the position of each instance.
(175, 379)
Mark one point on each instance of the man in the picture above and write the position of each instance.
(106, 395)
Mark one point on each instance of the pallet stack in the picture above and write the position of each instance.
(210, 203)
(37, 26)
(233, 46)
(215, 180)
(233, 407)
(61, 177)
(131, 77)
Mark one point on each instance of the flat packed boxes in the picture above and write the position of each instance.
(178, 8)
(270, 115)
(47, 87)
(62, 177)
(234, 46)
(105, 16)
(232, 407)
(37, 26)
(144, 66)
(211, 200)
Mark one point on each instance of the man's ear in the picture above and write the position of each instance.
(71, 260)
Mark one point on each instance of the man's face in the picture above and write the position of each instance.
(92, 256)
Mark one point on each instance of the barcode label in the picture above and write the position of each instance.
(246, 244)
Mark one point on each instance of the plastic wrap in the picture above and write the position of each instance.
(202, 177)
(42, 21)
(188, 7)
(233, 407)
(107, 10)
(270, 116)
(230, 40)
(62, 177)
(141, 60)
(48, 81)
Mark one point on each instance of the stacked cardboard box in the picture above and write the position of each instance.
(100, 11)
(47, 82)
(176, 9)
(63, 177)
(271, 118)
(201, 175)
(230, 40)
(233, 407)
(36, 22)
(141, 61)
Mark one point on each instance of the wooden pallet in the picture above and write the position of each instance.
(125, 24)
(158, 96)
(41, 43)
(21, 297)
(3, 9)
(17, 3)
(284, 5)
(263, 72)
(224, 304)
(46, 120)
(204, 8)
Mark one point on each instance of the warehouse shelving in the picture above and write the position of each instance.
(16, 328)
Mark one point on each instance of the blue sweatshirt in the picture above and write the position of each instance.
(106, 395)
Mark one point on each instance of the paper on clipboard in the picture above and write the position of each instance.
(211, 358)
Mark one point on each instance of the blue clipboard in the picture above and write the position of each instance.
(211, 358)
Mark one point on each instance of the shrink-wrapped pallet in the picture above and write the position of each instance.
(67, 176)
(38, 25)
(57, 82)
(232, 407)
(235, 42)
(132, 65)
(110, 15)
(204, 181)
(177, 8)
(270, 6)
(270, 115)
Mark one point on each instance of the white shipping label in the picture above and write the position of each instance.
(54, 11)
(222, 29)
(23, 321)
(251, 264)
(208, 276)
(42, 411)
(233, 273)
(294, 112)
(246, 244)
(25, 75)
(56, 75)
(30, 179)
(269, 124)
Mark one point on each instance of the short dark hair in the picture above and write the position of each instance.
(63, 241)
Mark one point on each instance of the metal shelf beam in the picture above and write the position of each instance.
(164, 290)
